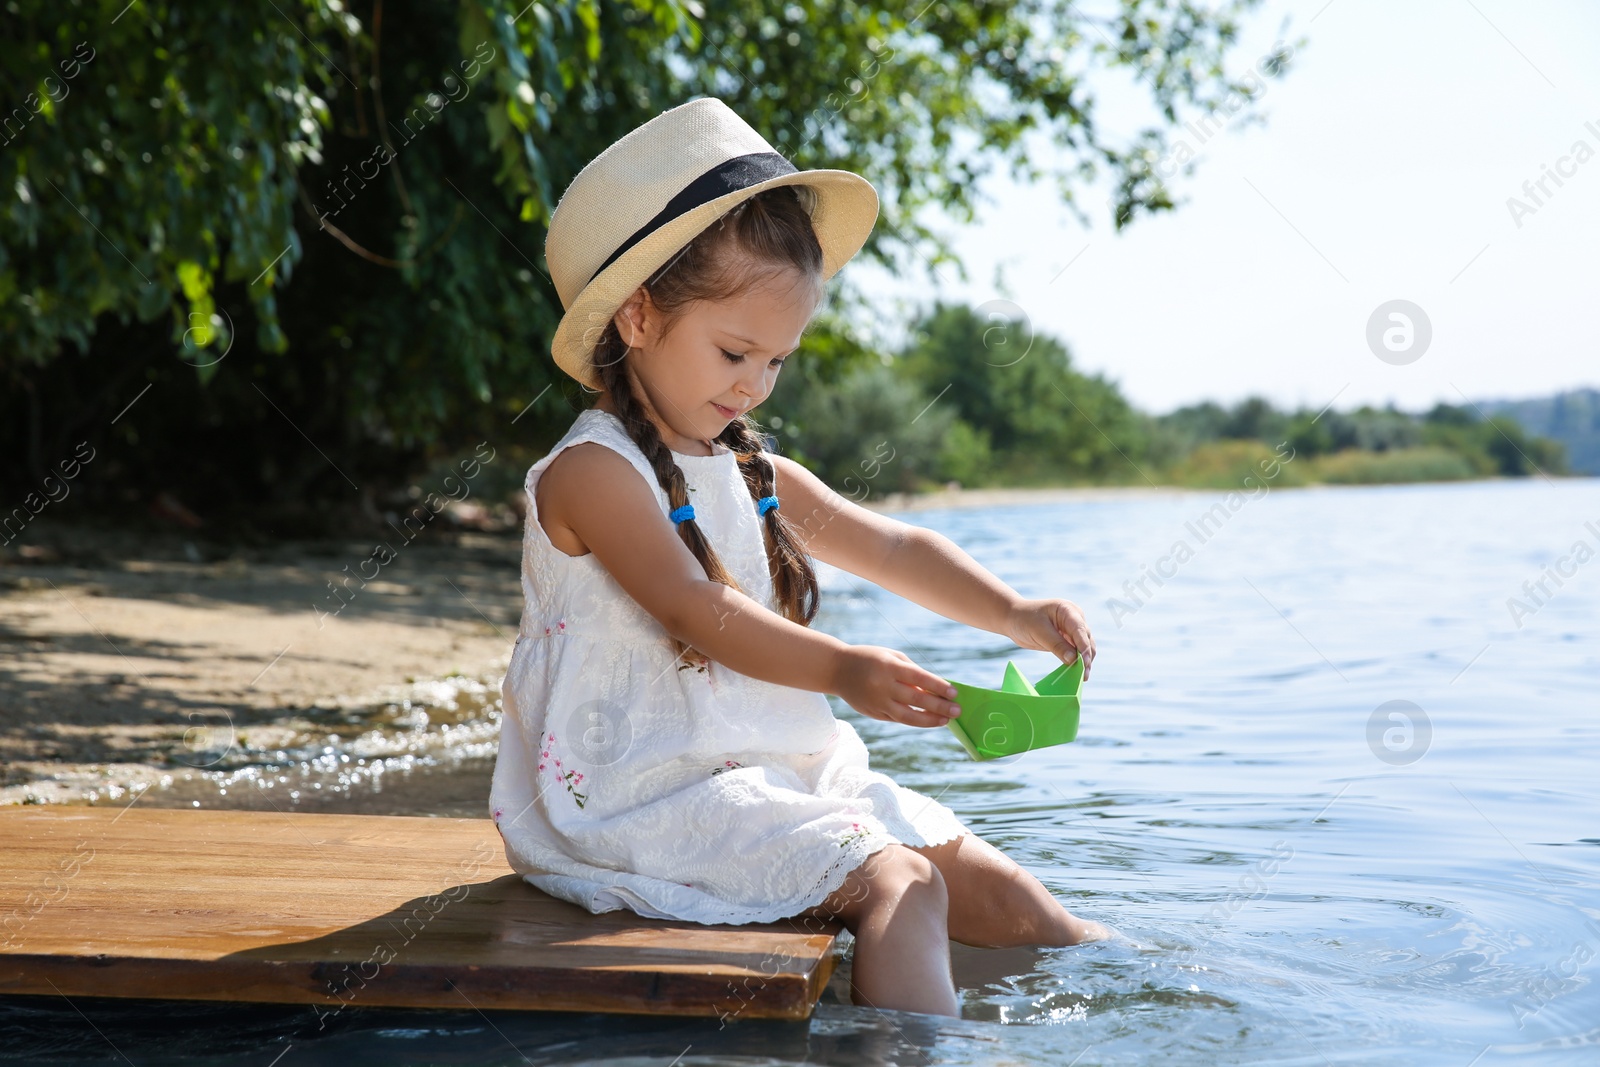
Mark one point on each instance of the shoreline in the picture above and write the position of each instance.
(131, 654)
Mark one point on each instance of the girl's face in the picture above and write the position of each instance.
(718, 360)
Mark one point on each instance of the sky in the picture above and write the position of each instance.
(1383, 172)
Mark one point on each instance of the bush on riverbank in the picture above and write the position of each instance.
(985, 402)
(1425, 463)
(1227, 465)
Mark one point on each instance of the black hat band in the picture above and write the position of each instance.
(729, 176)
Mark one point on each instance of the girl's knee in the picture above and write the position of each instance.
(894, 878)
(898, 875)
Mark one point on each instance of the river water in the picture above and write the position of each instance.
(1335, 782)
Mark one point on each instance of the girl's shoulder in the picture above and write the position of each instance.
(569, 470)
(593, 424)
(597, 427)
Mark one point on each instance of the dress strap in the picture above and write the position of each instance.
(603, 428)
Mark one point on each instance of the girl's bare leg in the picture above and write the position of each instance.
(996, 904)
(896, 906)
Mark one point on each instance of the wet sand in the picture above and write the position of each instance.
(124, 655)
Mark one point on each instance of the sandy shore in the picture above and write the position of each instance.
(124, 651)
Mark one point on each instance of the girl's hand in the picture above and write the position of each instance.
(883, 683)
(1052, 626)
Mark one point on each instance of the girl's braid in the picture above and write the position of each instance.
(614, 378)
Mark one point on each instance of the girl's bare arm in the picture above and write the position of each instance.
(922, 565)
(928, 568)
(599, 495)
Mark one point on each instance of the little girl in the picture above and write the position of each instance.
(666, 746)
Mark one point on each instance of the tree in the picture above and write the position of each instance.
(1255, 419)
(871, 433)
(1018, 391)
(282, 250)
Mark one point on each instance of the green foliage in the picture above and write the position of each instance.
(155, 172)
(1494, 446)
(1517, 454)
(871, 433)
(1011, 410)
(1370, 447)
(1355, 442)
(1443, 414)
(965, 455)
(294, 248)
(1050, 423)
(1572, 418)
(1425, 463)
(1189, 427)
(1253, 418)
(1227, 464)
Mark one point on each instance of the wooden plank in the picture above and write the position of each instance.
(334, 910)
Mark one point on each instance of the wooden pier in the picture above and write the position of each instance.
(338, 911)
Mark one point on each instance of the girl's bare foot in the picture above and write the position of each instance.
(1089, 930)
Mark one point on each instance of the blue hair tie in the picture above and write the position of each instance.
(766, 504)
(680, 514)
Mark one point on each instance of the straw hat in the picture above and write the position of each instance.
(641, 200)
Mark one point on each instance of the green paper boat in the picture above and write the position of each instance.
(1019, 716)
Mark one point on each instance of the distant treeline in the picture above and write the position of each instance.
(1571, 417)
(979, 401)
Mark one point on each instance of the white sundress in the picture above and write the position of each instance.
(699, 794)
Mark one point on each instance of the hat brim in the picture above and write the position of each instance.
(846, 210)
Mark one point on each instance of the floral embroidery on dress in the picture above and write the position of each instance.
(727, 765)
(700, 663)
(569, 778)
(857, 832)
